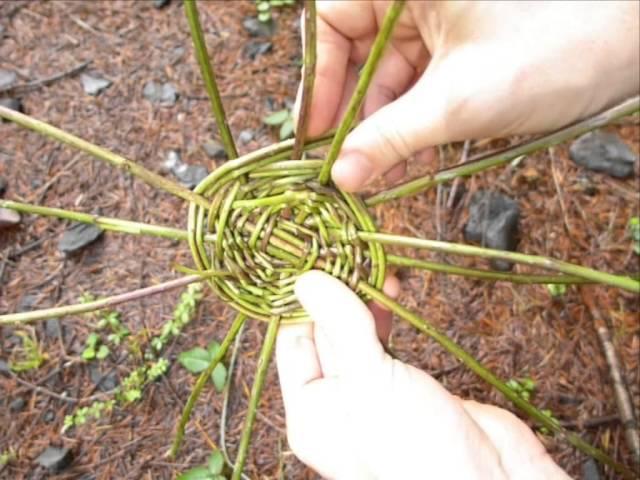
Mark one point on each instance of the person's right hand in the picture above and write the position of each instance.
(463, 70)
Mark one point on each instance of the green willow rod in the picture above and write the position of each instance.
(202, 381)
(619, 281)
(453, 348)
(485, 162)
(256, 390)
(366, 75)
(43, 314)
(209, 77)
(309, 76)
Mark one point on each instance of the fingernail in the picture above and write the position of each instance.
(352, 171)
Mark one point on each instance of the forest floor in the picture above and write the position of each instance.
(518, 331)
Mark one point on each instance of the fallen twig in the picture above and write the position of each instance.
(43, 82)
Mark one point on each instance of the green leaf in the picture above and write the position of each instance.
(213, 348)
(103, 352)
(276, 118)
(216, 462)
(263, 6)
(219, 377)
(88, 353)
(197, 473)
(92, 340)
(556, 290)
(264, 17)
(195, 360)
(286, 130)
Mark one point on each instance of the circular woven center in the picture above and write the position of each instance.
(270, 221)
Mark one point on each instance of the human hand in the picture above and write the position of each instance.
(355, 413)
(460, 70)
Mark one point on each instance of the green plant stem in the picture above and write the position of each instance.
(418, 185)
(619, 281)
(43, 314)
(423, 326)
(202, 381)
(361, 88)
(256, 390)
(118, 161)
(489, 275)
(209, 77)
(309, 76)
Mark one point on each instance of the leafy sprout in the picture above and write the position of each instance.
(29, 356)
(212, 471)
(284, 119)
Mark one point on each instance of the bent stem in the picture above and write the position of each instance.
(418, 185)
(366, 75)
(43, 314)
(548, 422)
(619, 281)
(309, 75)
(202, 381)
(256, 390)
(209, 77)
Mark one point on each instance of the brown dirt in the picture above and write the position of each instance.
(515, 330)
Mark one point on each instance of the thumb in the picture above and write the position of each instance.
(411, 123)
(345, 322)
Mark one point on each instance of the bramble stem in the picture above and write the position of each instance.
(366, 75)
(619, 281)
(209, 77)
(256, 391)
(202, 381)
(488, 275)
(43, 314)
(309, 76)
(116, 160)
(546, 421)
(505, 156)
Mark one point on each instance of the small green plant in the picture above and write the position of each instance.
(198, 359)
(557, 289)
(549, 414)
(524, 387)
(84, 414)
(182, 315)
(265, 7)
(211, 471)
(283, 118)
(7, 456)
(634, 231)
(94, 348)
(29, 356)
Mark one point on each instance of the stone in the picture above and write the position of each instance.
(256, 28)
(215, 150)
(245, 136)
(27, 302)
(77, 236)
(603, 152)
(3, 186)
(493, 222)
(104, 383)
(161, 3)
(8, 218)
(12, 104)
(17, 404)
(55, 459)
(94, 85)
(163, 94)
(590, 470)
(49, 416)
(7, 78)
(189, 175)
(255, 49)
(52, 328)
(4, 367)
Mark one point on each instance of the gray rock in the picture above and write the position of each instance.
(7, 78)
(255, 49)
(55, 459)
(603, 152)
(163, 94)
(4, 367)
(49, 416)
(256, 28)
(245, 136)
(215, 150)
(17, 404)
(52, 328)
(27, 302)
(78, 236)
(189, 175)
(12, 104)
(8, 218)
(493, 222)
(3, 186)
(590, 470)
(93, 85)
(161, 3)
(105, 383)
